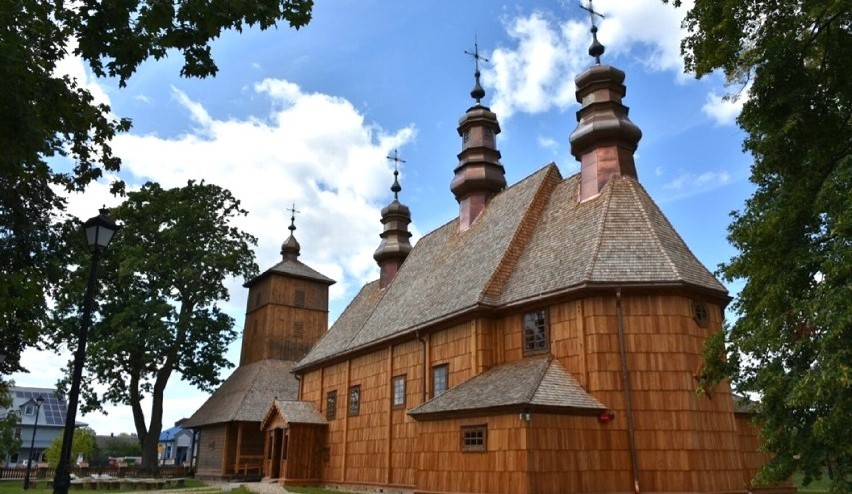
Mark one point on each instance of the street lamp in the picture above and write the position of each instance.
(39, 402)
(99, 231)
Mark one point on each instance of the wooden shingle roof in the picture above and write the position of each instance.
(246, 394)
(539, 383)
(294, 412)
(534, 239)
(292, 267)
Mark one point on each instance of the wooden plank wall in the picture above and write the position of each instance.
(211, 451)
(443, 467)
(570, 453)
(685, 442)
(272, 318)
(304, 454)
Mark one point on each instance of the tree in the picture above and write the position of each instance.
(161, 281)
(791, 343)
(8, 442)
(44, 115)
(83, 445)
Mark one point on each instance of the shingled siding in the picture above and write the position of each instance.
(684, 441)
(279, 324)
(576, 454)
(443, 467)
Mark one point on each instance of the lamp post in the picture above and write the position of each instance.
(99, 231)
(39, 402)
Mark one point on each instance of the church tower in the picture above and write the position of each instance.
(287, 309)
(395, 245)
(479, 174)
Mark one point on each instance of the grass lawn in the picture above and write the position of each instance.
(820, 485)
(17, 487)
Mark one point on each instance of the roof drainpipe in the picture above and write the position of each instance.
(628, 404)
(422, 340)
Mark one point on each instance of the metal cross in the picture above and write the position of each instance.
(592, 12)
(293, 212)
(476, 56)
(395, 188)
(596, 49)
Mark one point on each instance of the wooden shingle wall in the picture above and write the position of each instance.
(443, 467)
(684, 442)
(284, 318)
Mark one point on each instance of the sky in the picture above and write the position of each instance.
(308, 117)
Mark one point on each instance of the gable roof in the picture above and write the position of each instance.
(534, 239)
(245, 395)
(294, 412)
(292, 267)
(532, 383)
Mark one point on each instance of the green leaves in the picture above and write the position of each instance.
(793, 335)
(161, 281)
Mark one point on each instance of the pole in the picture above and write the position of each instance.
(32, 446)
(62, 480)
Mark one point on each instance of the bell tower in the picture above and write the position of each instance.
(287, 308)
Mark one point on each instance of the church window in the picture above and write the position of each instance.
(488, 136)
(536, 338)
(298, 329)
(439, 379)
(354, 400)
(473, 437)
(331, 405)
(465, 137)
(701, 314)
(399, 391)
(299, 298)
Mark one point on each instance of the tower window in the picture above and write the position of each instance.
(298, 329)
(354, 400)
(466, 137)
(701, 314)
(536, 338)
(488, 136)
(299, 298)
(331, 405)
(439, 379)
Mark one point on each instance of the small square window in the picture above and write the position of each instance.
(29, 410)
(398, 391)
(473, 437)
(439, 379)
(536, 338)
(331, 405)
(355, 400)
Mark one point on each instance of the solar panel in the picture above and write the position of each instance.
(54, 407)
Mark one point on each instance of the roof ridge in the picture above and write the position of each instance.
(523, 233)
(606, 197)
(654, 234)
(540, 379)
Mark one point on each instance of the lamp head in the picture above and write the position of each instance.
(99, 230)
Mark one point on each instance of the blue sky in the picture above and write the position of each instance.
(309, 116)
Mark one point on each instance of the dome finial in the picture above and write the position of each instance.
(395, 188)
(477, 92)
(290, 248)
(596, 49)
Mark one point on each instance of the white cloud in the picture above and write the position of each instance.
(724, 109)
(76, 68)
(312, 149)
(690, 184)
(548, 143)
(536, 72)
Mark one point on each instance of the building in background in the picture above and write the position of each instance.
(175, 445)
(51, 420)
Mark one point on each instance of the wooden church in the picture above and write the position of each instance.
(545, 341)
